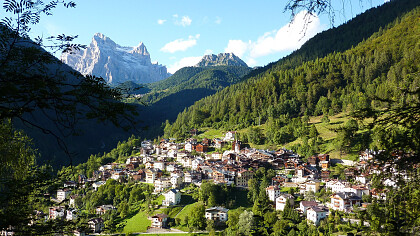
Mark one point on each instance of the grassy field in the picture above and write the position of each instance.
(186, 211)
(210, 133)
(172, 211)
(137, 223)
(159, 200)
(176, 234)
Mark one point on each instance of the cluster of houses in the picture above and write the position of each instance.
(170, 166)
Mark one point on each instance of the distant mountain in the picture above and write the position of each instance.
(166, 98)
(222, 59)
(116, 64)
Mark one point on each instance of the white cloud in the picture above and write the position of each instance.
(251, 62)
(237, 47)
(160, 21)
(180, 44)
(185, 20)
(186, 61)
(289, 37)
(175, 15)
(208, 52)
(218, 20)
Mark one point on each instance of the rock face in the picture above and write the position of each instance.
(222, 59)
(116, 64)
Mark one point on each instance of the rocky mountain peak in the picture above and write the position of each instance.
(115, 63)
(222, 59)
(140, 49)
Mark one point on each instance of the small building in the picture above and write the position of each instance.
(150, 176)
(100, 210)
(98, 184)
(305, 205)
(176, 181)
(189, 147)
(237, 146)
(201, 148)
(159, 221)
(56, 212)
(72, 202)
(172, 197)
(140, 175)
(316, 214)
(162, 184)
(62, 194)
(281, 201)
(312, 186)
(229, 136)
(242, 177)
(160, 165)
(344, 201)
(324, 164)
(96, 225)
(217, 214)
(70, 184)
(273, 192)
(71, 214)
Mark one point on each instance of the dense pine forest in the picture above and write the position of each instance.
(379, 68)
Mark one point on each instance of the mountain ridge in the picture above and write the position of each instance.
(221, 59)
(116, 64)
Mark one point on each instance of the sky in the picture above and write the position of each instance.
(179, 33)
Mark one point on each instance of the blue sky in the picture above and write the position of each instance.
(178, 33)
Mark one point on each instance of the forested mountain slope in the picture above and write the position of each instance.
(339, 39)
(169, 97)
(379, 66)
(211, 78)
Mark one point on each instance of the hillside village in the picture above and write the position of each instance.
(171, 166)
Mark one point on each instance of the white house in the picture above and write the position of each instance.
(62, 194)
(229, 136)
(196, 162)
(170, 168)
(216, 156)
(73, 200)
(217, 214)
(363, 179)
(171, 153)
(56, 212)
(161, 184)
(337, 186)
(172, 197)
(187, 162)
(160, 165)
(159, 221)
(273, 192)
(281, 201)
(359, 190)
(98, 184)
(316, 214)
(344, 201)
(305, 205)
(71, 214)
(312, 186)
(176, 181)
(189, 147)
(96, 224)
(117, 175)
